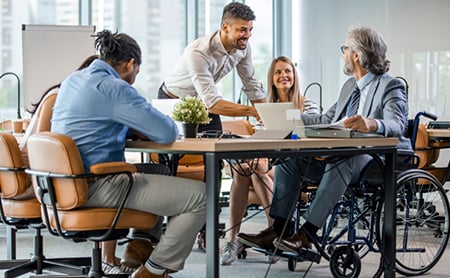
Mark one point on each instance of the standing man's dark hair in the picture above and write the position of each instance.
(117, 48)
(237, 10)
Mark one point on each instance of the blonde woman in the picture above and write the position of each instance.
(283, 86)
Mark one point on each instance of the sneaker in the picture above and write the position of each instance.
(142, 272)
(231, 251)
(263, 239)
(111, 269)
(136, 253)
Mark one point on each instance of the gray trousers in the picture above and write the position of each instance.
(182, 199)
(333, 179)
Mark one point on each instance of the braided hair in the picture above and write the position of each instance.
(117, 48)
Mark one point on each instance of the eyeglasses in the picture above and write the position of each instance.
(343, 48)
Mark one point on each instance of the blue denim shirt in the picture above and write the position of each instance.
(96, 108)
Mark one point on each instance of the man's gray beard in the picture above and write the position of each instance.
(348, 69)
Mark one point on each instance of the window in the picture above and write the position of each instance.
(416, 50)
(159, 30)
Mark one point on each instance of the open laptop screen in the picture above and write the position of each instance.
(279, 116)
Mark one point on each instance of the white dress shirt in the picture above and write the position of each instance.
(204, 63)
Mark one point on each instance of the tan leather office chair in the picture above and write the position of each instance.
(61, 187)
(190, 166)
(22, 213)
(428, 154)
(6, 125)
(44, 113)
(238, 127)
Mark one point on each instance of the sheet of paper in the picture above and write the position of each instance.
(337, 125)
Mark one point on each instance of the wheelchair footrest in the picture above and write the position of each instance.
(304, 255)
(266, 251)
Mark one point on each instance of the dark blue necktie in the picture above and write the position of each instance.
(353, 105)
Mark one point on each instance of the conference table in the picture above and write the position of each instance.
(215, 150)
(439, 138)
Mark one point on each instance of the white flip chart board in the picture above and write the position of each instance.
(50, 54)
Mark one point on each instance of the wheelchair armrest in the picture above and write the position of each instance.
(112, 167)
(405, 152)
(408, 157)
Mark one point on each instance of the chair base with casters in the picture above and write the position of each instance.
(61, 188)
(25, 213)
(38, 262)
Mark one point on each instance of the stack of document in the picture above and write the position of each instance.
(336, 130)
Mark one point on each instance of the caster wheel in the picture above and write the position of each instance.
(345, 263)
(242, 255)
(292, 264)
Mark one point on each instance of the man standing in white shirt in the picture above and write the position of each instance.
(209, 58)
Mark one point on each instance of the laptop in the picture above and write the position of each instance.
(280, 119)
(166, 107)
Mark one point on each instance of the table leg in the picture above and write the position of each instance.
(212, 173)
(10, 242)
(389, 237)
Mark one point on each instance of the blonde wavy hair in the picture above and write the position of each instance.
(294, 93)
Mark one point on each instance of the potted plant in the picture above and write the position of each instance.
(191, 111)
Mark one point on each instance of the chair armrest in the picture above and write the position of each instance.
(112, 167)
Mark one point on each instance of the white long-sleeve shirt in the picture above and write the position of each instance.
(204, 63)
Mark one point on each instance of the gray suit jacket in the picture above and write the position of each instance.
(386, 101)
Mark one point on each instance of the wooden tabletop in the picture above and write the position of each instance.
(436, 133)
(439, 138)
(202, 145)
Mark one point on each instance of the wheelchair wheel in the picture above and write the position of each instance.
(336, 231)
(345, 263)
(422, 222)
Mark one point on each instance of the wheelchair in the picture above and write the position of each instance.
(354, 227)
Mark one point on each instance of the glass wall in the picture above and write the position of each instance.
(412, 29)
(160, 28)
(418, 49)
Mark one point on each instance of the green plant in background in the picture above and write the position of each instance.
(190, 110)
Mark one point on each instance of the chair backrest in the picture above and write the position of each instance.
(422, 148)
(58, 153)
(45, 112)
(238, 127)
(417, 132)
(12, 183)
(6, 125)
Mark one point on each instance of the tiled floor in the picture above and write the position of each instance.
(255, 265)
